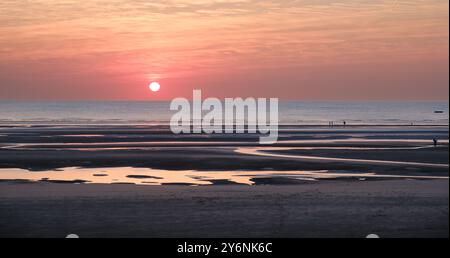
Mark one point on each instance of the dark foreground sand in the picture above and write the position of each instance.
(406, 208)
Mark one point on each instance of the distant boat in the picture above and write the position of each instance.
(438, 112)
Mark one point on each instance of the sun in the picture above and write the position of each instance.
(154, 86)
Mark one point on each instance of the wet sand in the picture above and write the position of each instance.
(356, 188)
(406, 208)
(48, 147)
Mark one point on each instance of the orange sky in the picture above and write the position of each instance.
(304, 49)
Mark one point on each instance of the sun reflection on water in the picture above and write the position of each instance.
(147, 176)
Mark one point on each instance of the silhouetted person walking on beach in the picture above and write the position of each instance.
(435, 142)
(345, 123)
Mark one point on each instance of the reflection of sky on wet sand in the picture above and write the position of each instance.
(82, 135)
(146, 176)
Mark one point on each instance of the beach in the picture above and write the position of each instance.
(144, 181)
(224, 119)
(406, 208)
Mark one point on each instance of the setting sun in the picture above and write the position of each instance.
(154, 86)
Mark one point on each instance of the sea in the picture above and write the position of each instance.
(290, 112)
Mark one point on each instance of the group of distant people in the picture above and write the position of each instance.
(344, 123)
(331, 123)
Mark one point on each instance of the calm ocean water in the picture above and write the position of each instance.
(290, 112)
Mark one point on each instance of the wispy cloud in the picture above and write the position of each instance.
(165, 39)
